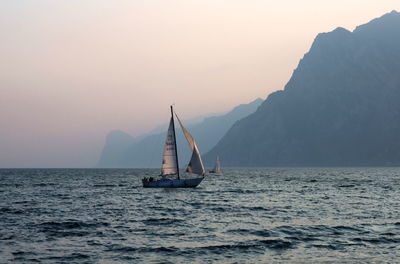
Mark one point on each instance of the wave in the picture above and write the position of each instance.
(256, 208)
(105, 185)
(8, 210)
(16, 185)
(69, 228)
(71, 225)
(161, 221)
(274, 244)
(68, 258)
(346, 185)
(43, 184)
(6, 237)
(247, 232)
(326, 246)
(377, 240)
(127, 249)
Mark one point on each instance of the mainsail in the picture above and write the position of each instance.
(196, 164)
(170, 159)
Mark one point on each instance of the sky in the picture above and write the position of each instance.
(73, 70)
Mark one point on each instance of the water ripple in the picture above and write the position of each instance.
(334, 215)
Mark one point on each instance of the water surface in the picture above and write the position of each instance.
(245, 216)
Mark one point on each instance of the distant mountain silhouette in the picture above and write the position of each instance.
(116, 142)
(341, 107)
(123, 151)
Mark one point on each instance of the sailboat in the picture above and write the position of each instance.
(217, 167)
(170, 176)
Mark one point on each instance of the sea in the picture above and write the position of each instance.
(246, 215)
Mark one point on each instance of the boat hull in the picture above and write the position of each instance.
(173, 183)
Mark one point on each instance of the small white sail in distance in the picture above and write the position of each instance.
(196, 164)
(217, 167)
(169, 163)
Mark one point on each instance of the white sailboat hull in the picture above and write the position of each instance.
(173, 183)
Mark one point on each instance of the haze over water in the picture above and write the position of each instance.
(336, 215)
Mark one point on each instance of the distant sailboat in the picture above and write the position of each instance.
(170, 177)
(217, 167)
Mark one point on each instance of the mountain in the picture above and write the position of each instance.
(163, 127)
(341, 106)
(116, 142)
(123, 151)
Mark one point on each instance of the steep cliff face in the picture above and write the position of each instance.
(121, 151)
(341, 106)
(116, 143)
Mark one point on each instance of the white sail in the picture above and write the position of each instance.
(217, 168)
(169, 163)
(196, 164)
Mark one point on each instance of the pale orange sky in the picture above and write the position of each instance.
(72, 70)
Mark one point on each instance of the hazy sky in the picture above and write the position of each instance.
(72, 70)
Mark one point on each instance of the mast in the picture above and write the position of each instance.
(176, 150)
